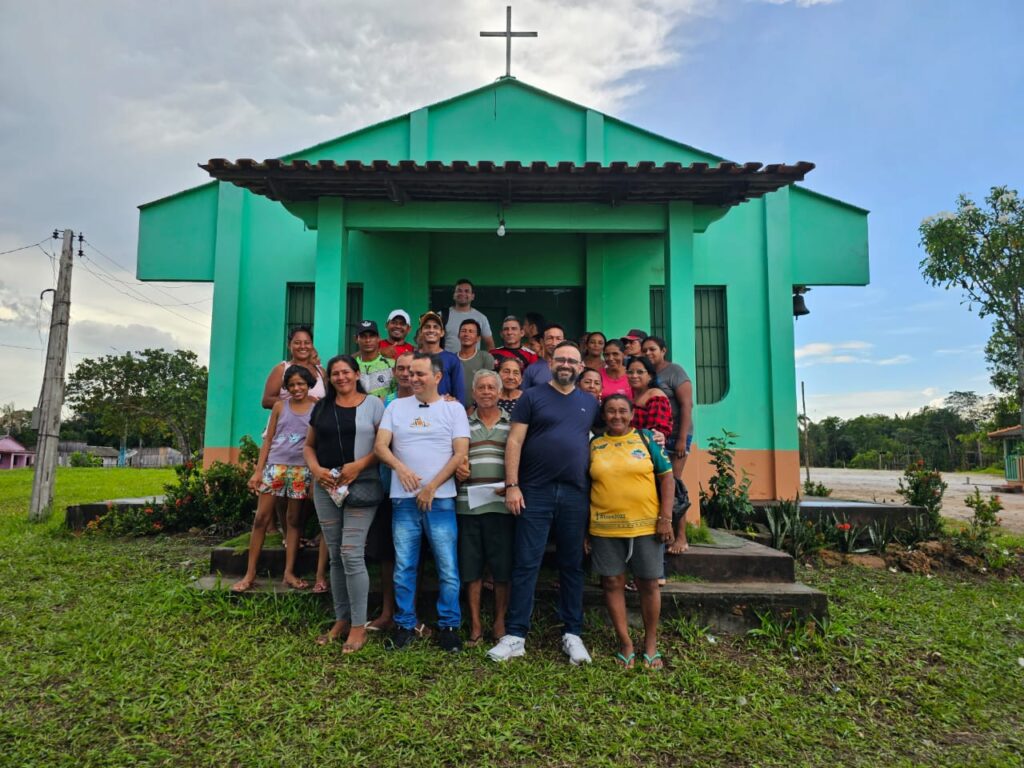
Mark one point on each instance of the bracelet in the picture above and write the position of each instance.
(511, 485)
(665, 519)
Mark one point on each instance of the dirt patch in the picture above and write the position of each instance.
(926, 558)
(881, 485)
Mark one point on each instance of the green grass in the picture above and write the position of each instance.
(108, 658)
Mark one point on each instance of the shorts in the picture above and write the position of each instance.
(380, 543)
(286, 480)
(486, 540)
(645, 556)
(671, 440)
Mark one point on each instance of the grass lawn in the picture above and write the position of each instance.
(107, 657)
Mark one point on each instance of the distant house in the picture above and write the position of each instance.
(65, 448)
(14, 455)
(163, 456)
(1013, 453)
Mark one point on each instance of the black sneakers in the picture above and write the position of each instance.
(402, 638)
(449, 640)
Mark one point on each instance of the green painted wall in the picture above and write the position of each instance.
(177, 236)
(252, 247)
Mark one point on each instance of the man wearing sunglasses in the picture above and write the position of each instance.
(546, 487)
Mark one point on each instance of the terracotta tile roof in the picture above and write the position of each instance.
(725, 184)
(1014, 431)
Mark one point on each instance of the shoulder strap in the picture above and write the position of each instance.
(647, 444)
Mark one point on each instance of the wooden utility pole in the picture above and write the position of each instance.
(52, 398)
(807, 436)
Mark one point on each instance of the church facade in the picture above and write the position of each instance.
(607, 227)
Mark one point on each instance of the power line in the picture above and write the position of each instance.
(25, 247)
(123, 269)
(134, 286)
(37, 349)
(136, 295)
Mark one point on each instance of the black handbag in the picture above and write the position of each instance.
(363, 491)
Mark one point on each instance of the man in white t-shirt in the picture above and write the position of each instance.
(423, 439)
(463, 310)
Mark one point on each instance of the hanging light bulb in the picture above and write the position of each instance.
(501, 228)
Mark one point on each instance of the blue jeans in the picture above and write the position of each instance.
(566, 509)
(408, 524)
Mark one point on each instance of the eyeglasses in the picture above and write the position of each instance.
(567, 360)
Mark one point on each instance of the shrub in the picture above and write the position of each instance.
(812, 488)
(924, 488)
(217, 499)
(976, 538)
(83, 459)
(727, 502)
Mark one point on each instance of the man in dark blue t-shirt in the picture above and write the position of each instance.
(547, 488)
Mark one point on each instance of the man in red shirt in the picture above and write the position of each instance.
(398, 328)
(512, 335)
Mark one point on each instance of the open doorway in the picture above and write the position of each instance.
(563, 305)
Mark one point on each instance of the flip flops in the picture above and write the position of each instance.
(626, 662)
(654, 662)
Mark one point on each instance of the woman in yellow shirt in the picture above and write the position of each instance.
(630, 523)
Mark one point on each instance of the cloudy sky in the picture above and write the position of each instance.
(902, 105)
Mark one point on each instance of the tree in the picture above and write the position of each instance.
(981, 252)
(152, 391)
(17, 423)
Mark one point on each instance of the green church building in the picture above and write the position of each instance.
(607, 227)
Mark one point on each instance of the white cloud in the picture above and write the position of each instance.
(846, 405)
(826, 353)
(800, 3)
(821, 349)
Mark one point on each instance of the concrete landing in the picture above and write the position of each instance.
(725, 608)
(729, 558)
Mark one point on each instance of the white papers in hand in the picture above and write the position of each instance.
(484, 494)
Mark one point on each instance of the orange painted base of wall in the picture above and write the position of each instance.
(774, 474)
(227, 455)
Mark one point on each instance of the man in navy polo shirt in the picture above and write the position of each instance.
(547, 488)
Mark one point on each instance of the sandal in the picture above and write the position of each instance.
(320, 587)
(296, 583)
(654, 662)
(626, 662)
(474, 641)
(422, 631)
(383, 626)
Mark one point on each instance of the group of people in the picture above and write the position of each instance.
(484, 452)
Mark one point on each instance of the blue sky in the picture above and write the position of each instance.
(902, 105)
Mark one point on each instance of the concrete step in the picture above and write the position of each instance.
(728, 558)
(727, 608)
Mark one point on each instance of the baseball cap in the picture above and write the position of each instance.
(634, 334)
(367, 326)
(400, 313)
(431, 315)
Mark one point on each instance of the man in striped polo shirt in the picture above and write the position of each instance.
(487, 532)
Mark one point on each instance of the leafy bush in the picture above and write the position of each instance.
(130, 521)
(977, 537)
(727, 503)
(83, 459)
(217, 499)
(790, 531)
(812, 488)
(924, 488)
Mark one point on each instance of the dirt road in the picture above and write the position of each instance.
(881, 485)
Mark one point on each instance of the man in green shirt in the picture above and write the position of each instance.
(376, 372)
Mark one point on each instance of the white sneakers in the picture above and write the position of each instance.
(575, 649)
(511, 647)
